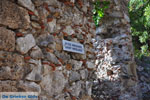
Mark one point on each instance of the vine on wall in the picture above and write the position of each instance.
(98, 11)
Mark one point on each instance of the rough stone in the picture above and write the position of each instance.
(86, 97)
(46, 84)
(80, 36)
(37, 2)
(52, 26)
(8, 73)
(43, 98)
(84, 74)
(76, 64)
(7, 39)
(36, 53)
(34, 24)
(10, 59)
(53, 83)
(27, 4)
(116, 14)
(64, 56)
(12, 0)
(46, 69)
(90, 65)
(52, 58)
(69, 30)
(52, 46)
(43, 14)
(77, 18)
(74, 76)
(126, 17)
(11, 66)
(58, 47)
(84, 8)
(51, 2)
(101, 30)
(79, 56)
(59, 82)
(89, 87)
(18, 60)
(35, 74)
(8, 86)
(45, 39)
(76, 88)
(5, 73)
(29, 87)
(13, 16)
(24, 44)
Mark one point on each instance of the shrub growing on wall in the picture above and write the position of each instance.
(139, 11)
(98, 11)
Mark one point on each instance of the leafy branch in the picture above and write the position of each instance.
(139, 11)
(98, 11)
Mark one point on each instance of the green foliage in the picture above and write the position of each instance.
(98, 11)
(139, 11)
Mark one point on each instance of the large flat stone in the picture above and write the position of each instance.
(51, 2)
(27, 4)
(10, 59)
(74, 76)
(8, 86)
(13, 16)
(36, 53)
(69, 30)
(29, 86)
(90, 65)
(76, 88)
(24, 44)
(11, 66)
(52, 58)
(53, 83)
(76, 64)
(52, 26)
(7, 73)
(7, 39)
(45, 39)
(35, 74)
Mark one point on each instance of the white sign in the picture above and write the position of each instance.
(73, 47)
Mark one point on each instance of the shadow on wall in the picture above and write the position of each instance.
(143, 72)
(102, 91)
(108, 90)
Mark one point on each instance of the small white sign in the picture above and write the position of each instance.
(73, 47)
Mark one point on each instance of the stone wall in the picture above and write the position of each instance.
(31, 53)
(32, 57)
(116, 68)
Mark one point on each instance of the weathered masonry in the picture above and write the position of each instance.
(116, 68)
(31, 48)
(32, 56)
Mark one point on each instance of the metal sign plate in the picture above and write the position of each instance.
(73, 47)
